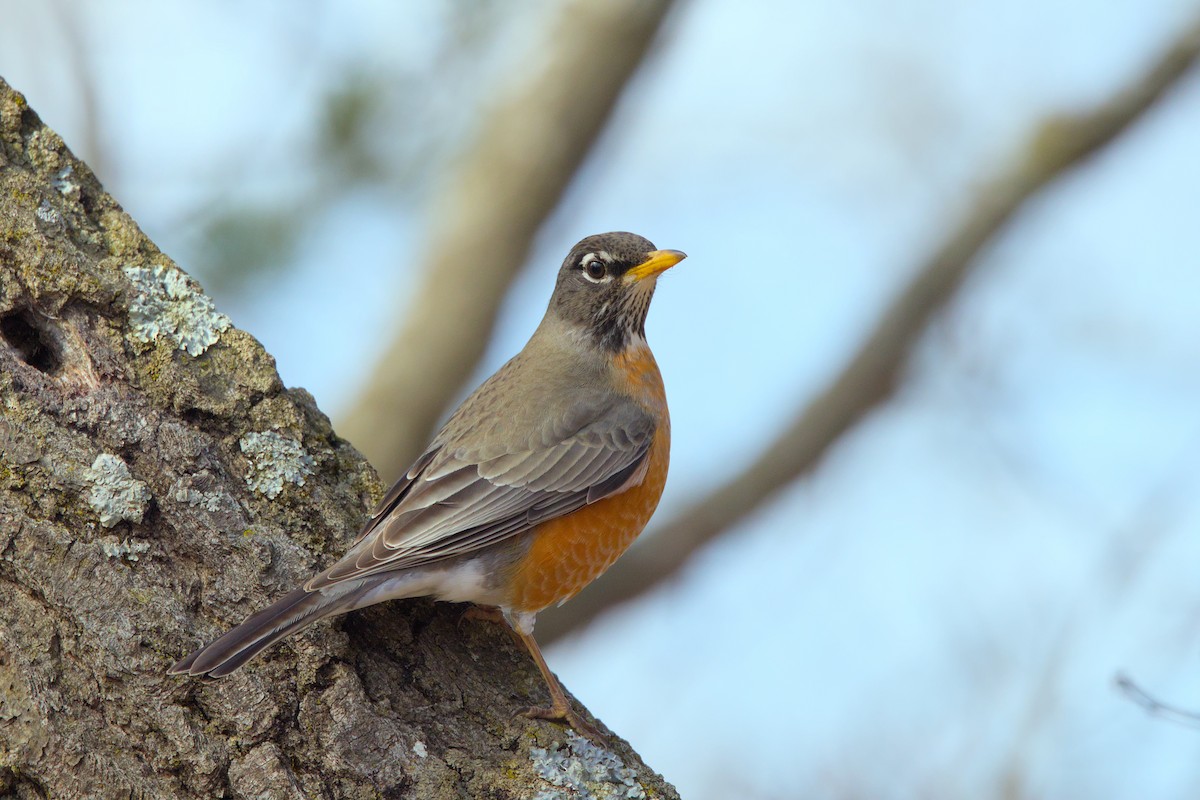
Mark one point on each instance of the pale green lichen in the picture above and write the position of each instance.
(274, 458)
(47, 213)
(583, 771)
(63, 181)
(166, 303)
(209, 501)
(115, 495)
(129, 549)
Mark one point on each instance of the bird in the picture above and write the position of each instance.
(533, 487)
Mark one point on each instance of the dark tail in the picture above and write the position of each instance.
(296, 610)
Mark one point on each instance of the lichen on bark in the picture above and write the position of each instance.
(396, 701)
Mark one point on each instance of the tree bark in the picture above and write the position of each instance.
(157, 483)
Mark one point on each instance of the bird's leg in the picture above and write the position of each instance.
(560, 710)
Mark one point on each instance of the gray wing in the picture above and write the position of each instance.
(461, 497)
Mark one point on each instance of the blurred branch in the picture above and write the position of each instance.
(80, 61)
(1153, 706)
(528, 147)
(1056, 146)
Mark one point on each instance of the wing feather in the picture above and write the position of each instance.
(453, 503)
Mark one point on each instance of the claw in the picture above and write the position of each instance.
(568, 716)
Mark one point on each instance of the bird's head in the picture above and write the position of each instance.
(605, 285)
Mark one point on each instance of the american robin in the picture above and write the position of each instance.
(535, 485)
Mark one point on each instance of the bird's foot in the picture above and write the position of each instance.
(566, 715)
(483, 614)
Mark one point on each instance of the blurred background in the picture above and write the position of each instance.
(921, 579)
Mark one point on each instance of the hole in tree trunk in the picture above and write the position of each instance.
(32, 342)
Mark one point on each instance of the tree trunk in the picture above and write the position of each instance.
(158, 483)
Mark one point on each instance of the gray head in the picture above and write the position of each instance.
(605, 285)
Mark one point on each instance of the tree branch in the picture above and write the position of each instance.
(527, 149)
(1056, 146)
(157, 483)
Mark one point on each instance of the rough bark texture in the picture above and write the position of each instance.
(157, 483)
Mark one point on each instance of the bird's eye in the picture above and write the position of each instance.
(594, 270)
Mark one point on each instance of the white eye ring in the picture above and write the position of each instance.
(594, 269)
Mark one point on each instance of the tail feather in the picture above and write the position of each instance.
(296, 610)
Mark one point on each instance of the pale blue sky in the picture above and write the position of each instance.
(942, 607)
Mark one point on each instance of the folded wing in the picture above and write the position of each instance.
(461, 497)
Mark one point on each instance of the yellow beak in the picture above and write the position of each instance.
(657, 261)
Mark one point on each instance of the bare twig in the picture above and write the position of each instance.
(1153, 706)
(1127, 556)
(528, 148)
(1056, 146)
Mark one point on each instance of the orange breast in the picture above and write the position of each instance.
(570, 552)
